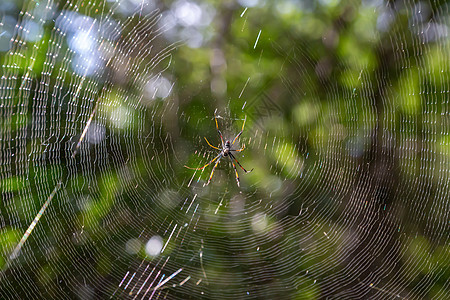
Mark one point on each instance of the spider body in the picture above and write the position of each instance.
(226, 151)
(227, 148)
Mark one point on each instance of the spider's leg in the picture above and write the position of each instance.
(239, 134)
(243, 147)
(206, 164)
(212, 172)
(218, 131)
(232, 156)
(212, 145)
(237, 175)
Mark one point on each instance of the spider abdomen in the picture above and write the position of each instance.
(227, 148)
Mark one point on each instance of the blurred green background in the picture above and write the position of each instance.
(104, 103)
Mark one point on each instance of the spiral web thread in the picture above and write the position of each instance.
(347, 202)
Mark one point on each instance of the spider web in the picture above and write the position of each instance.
(349, 194)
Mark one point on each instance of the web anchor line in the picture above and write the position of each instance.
(33, 224)
(94, 111)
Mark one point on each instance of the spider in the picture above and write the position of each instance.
(225, 151)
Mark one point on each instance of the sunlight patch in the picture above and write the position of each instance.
(154, 245)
